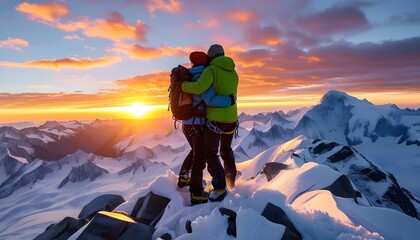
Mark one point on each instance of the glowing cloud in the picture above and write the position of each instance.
(150, 84)
(114, 28)
(257, 57)
(172, 6)
(145, 53)
(49, 12)
(242, 16)
(140, 52)
(310, 59)
(82, 63)
(14, 43)
(269, 35)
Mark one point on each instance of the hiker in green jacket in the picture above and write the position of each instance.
(221, 122)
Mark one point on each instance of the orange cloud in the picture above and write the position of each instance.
(252, 58)
(57, 64)
(269, 35)
(141, 52)
(172, 6)
(114, 28)
(49, 12)
(152, 85)
(14, 43)
(272, 41)
(72, 26)
(242, 16)
(310, 59)
(61, 100)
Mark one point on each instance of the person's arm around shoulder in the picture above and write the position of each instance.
(213, 100)
(202, 84)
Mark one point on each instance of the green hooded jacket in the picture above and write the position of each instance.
(222, 76)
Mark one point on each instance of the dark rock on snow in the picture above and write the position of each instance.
(107, 202)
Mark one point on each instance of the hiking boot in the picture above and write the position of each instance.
(199, 198)
(184, 180)
(217, 195)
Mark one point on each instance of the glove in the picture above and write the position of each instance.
(232, 99)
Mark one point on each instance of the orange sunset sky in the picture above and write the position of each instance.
(86, 59)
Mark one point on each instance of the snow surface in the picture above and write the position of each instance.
(58, 132)
(42, 137)
(20, 159)
(316, 213)
(399, 159)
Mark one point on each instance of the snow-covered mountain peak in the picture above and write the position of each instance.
(348, 120)
(87, 171)
(9, 132)
(72, 124)
(77, 157)
(52, 124)
(334, 96)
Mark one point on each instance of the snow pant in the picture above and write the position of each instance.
(195, 158)
(211, 145)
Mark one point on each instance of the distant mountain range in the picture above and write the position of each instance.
(339, 117)
(375, 148)
(53, 140)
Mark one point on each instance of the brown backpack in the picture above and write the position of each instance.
(180, 103)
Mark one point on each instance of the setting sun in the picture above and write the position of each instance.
(138, 110)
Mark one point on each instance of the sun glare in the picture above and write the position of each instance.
(138, 110)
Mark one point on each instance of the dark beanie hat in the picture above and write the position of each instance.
(215, 50)
(199, 58)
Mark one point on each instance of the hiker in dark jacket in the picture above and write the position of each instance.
(193, 131)
(221, 122)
